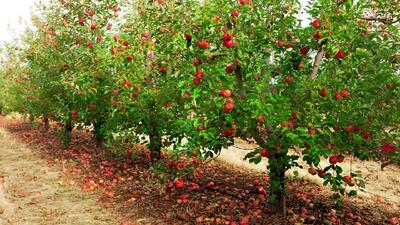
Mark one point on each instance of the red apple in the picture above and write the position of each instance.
(146, 34)
(350, 216)
(333, 219)
(261, 119)
(227, 93)
(235, 13)
(128, 153)
(340, 54)
(345, 93)
(264, 152)
(129, 58)
(196, 162)
(90, 13)
(188, 37)
(316, 23)
(229, 132)
(126, 43)
(394, 221)
(281, 44)
(256, 182)
(300, 65)
(388, 148)
(318, 35)
(311, 131)
(199, 74)
(337, 96)
(323, 93)
(227, 36)
(114, 50)
(351, 183)
(90, 44)
(333, 159)
(126, 83)
(228, 107)
(228, 44)
(389, 85)
(81, 21)
(74, 114)
(349, 128)
(179, 183)
(229, 69)
(288, 79)
(196, 81)
(366, 135)
(196, 62)
(312, 170)
(203, 44)
(304, 50)
(262, 190)
(347, 178)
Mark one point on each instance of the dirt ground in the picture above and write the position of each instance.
(32, 193)
(36, 188)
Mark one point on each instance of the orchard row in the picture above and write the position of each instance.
(196, 75)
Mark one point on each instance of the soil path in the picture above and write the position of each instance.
(32, 193)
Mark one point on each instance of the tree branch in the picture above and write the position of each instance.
(384, 20)
(317, 61)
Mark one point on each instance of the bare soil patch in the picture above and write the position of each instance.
(33, 193)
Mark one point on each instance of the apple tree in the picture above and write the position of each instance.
(325, 90)
(147, 59)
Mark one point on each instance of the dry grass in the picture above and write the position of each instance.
(33, 193)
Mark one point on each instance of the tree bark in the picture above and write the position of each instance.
(155, 144)
(31, 118)
(317, 62)
(99, 138)
(67, 134)
(46, 123)
(277, 170)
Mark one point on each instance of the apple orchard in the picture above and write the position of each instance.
(193, 76)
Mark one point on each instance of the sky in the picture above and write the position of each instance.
(15, 15)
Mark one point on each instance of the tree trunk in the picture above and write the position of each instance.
(31, 118)
(98, 136)
(277, 169)
(155, 144)
(46, 123)
(66, 134)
